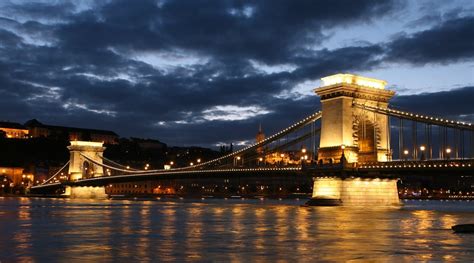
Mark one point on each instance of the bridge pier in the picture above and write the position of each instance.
(80, 167)
(332, 191)
(85, 192)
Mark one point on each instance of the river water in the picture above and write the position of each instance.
(216, 230)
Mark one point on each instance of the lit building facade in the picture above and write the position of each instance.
(37, 129)
(17, 176)
(14, 130)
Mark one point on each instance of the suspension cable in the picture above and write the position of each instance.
(64, 166)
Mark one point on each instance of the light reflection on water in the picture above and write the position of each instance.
(229, 230)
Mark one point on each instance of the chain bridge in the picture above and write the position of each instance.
(354, 149)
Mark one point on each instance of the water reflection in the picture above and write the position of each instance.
(228, 230)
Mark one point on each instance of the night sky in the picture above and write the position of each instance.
(208, 72)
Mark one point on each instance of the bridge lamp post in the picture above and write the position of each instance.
(448, 153)
(191, 164)
(260, 161)
(198, 160)
(303, 154)
(422, 149)
(405, 153)
(236, 160)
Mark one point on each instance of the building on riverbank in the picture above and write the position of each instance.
(14, 130)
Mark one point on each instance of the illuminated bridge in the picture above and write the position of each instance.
(355, 149)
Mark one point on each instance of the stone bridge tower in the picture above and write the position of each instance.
(363, 135)
(80, 167)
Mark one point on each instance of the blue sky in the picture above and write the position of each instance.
(208, 72)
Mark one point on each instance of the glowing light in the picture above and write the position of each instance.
(448, 150)
(83, 143)
(422, 148)
(405, 152)
(353, 79)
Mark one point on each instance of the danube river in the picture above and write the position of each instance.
(60, 230)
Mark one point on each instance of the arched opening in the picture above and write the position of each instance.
(87, 170)
(367, 142)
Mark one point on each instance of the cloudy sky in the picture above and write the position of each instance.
(205, 72)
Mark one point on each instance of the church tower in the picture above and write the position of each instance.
(260, 137)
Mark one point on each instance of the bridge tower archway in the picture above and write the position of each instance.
(361, 135)
(79, 166)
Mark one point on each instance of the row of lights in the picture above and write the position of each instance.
(419, 116)
(220, 170)
(423, 148)
(313, 116)
(416, 166)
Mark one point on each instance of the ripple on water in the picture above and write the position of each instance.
(223, 230)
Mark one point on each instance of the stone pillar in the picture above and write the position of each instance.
(364, 134)
(93, 150)
(354, 192)
(85, 192)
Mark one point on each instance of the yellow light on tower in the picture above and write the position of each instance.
(405, 152)
(422, 148)
(238, 157)
(448, 150)
(303, 150)
(282, 155)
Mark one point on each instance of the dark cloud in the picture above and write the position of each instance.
(454, 104)
(106, 66)
(451, 41)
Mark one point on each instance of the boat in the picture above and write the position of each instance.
(463, 228)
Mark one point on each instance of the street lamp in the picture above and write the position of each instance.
(422, 149)
(303, 150)
(405, 153)
(171, 163)
(448, 153)
(198, 160)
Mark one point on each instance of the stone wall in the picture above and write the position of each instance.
(357, 191)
